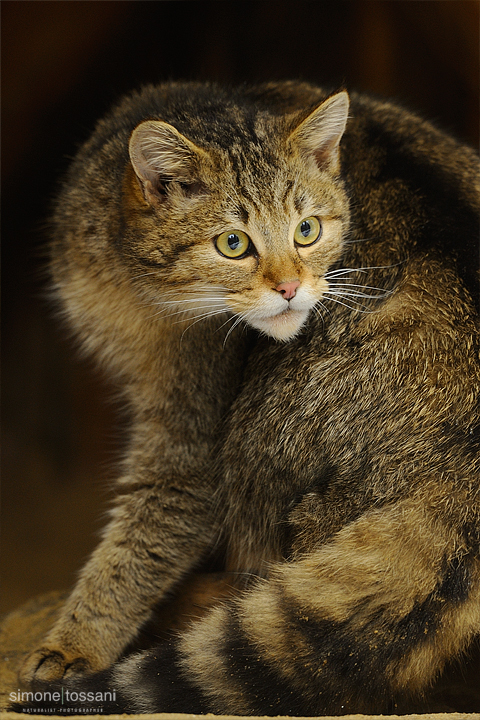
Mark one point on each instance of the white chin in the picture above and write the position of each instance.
(283, 326)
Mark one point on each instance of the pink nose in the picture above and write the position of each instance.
(287, 289)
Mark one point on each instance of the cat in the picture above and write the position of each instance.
(281, 281)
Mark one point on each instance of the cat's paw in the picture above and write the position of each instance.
(48, 663)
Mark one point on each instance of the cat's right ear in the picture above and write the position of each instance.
(318, 136)
(159, 155)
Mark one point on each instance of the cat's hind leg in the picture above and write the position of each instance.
(363, 621)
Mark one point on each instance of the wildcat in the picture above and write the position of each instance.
(282, 283)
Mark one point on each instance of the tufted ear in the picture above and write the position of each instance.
(160, 154)
(319, 135)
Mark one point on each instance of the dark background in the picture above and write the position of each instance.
(63, 64)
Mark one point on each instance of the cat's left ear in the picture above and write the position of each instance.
(319, 135)
(161, 154)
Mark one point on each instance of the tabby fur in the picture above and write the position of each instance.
(331, 449)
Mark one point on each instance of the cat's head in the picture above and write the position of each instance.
(246, 220)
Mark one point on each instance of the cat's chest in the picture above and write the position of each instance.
(277, 419)
(272, 453)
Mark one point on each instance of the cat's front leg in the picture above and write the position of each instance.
(162, 523)
(157, 533)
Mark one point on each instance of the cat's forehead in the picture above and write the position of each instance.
(255, 196)
(256, 168)
(259, 168)
(258, 185)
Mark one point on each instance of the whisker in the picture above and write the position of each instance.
(184, 311)
(191, 300)
(199, 319)
(318, 312)
(350, 297)
(241, 317)
(227, 321)
(198, 307)
(344, 271)
(356, 293)
(238, 320)
(349, 293)
(319, 302)
(357, 309)
(364, 287)
(193, 295)
(192, 290)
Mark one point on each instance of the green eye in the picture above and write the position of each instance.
(308, 231)
(233, 243)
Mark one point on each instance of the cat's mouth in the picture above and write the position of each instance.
(281, 326)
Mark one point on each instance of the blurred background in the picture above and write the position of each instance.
(63, 64)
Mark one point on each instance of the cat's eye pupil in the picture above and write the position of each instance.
(233, 241)
(305, 228)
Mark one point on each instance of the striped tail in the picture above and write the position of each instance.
(356, 626)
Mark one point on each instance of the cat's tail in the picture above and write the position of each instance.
(354, 626)
(141, 683)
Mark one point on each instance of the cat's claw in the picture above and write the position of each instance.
(47, 664)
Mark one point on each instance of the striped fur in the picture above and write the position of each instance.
(332, 448)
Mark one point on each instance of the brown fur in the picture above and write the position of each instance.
(335, 455)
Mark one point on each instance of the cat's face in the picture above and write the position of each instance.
(250, 230)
